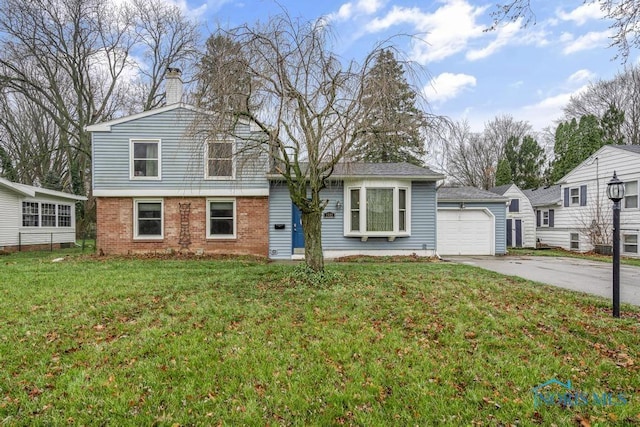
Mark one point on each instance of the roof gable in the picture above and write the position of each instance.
(606, 150)
(106, 126)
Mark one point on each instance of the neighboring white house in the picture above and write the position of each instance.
(35, 217)
(521, 218)
(545, 203)
(577, 213)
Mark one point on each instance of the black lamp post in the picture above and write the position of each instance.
(615, 192)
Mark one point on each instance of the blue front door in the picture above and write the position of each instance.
(297, 237)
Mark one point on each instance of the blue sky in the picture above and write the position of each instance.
(529, 73)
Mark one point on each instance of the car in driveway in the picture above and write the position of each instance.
(576, 274)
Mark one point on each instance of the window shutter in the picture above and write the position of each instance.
(583, 195)
(566, 197)
(551, 217)
(538, 219)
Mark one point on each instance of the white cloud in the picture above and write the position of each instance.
(591, 40)
(447, 86)
(581, 76)
(352, 9)
(548, 110)
(504, 36)
(583, 13)
(446, 31)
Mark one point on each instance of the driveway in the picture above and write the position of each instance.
(570, 273)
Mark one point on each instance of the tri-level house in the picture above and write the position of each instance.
(160, 185)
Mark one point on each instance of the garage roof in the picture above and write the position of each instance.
(468, 194)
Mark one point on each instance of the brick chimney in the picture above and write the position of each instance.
(173, 86)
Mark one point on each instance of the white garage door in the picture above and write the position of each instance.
(465, 232)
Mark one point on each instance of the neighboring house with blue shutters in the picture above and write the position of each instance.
(545, 202)
(471, 221)
(575, 214)
(521, 218)
(36, 218)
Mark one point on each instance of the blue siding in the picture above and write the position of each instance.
(279, 213)
(423, 222)
(499, 211)
(182, 159)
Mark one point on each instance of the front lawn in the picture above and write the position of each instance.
(241, 342)
(557, 252)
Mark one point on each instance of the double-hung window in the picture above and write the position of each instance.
(145, 159)
(220, 159)
(148, 219)
(631, 195)
(48, 214)
(574, 241)
(630, 243)
(377, 209)
(574, 195)
(64, 216)
(30, 214)
(221, 218)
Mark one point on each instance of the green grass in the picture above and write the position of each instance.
(120, 341)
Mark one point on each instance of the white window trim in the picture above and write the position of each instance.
(235, 220)
(624, 201)
(58, 216)
(542, 212)
(623, 243)
(571, 196)
(362, 185)
(233, 160)
(572, 241)
(135, 219)
(131, 162)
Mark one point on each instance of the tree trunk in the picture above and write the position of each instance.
(312, 226)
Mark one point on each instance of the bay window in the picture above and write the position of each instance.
(377, 209)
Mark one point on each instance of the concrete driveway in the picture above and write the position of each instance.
(570, 273)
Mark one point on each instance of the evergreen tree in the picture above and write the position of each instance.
(394, 125)
(52, 181)
(7, 170)
(526, 158)
(503, 172)
(611, 124)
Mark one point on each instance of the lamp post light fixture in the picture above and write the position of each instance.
(615, 193)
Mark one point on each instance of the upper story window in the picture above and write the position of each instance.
(145, 159)
(575, 196)
(220, 159)
(30, 214)
(148, 221)
(378, 209)
(631, 195)
(544, 218)
(514, 205)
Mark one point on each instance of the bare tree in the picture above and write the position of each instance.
(73, 61)
(306, 104)
(498, 131)
(625, 15)
(470, 159)
(622, 93)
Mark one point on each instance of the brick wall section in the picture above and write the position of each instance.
(115, 227)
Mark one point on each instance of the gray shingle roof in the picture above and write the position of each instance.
(468, 194)
(632, 148)
(501, 189)
(544, 196)
(381, 170)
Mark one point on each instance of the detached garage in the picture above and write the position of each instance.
(470, 222)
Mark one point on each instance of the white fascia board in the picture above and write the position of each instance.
(196, 192)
